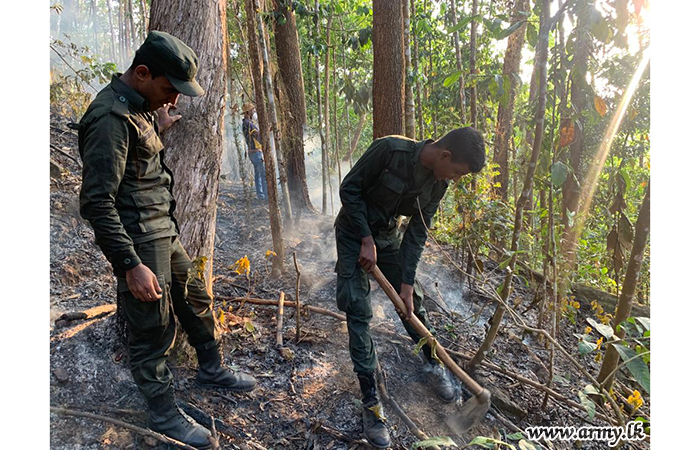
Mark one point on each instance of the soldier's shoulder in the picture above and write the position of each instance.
(106, 103)
(398, 143)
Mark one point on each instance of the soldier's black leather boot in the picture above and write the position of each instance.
(165, 417)
(373, 419)
(214, 374)
(439, 378)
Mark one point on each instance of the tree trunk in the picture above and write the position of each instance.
(410, 109)
(122, 28)
(196, 163)
(112, 41)
(504, 123)
(130, 6)
(624, 304)
(571, 189)
(541, 64)
(458, 59)
(472, 63)
(388, 71)
(337, 141)
(293, 106)
(257, 69)
(416, 74)
(144, 20)
(326, 110)
(279, 153)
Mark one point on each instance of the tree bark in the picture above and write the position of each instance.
(410, 108)
(256, 63)
(130, 11)
(356, 137)
(144, 20)
(293, 105)
(504, 123)
(458, 59)
(624, 304)
(388, 70)
(279, 153)
(196, 163)
(416, 74)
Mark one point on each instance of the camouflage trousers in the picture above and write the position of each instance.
(151, 325)
(353, 295)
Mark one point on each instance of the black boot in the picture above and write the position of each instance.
(439, 378)
(166, 418)
(213, 374)
(373, 420)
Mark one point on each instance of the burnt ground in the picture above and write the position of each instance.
(308, 395)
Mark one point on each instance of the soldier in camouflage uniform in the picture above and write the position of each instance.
(395, 177)
(126, 196)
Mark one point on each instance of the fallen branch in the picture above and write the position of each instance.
(261, 301)
(296, 300)
(381, 383)
(280, 320)
(64, 153)
(128, 426)
(337, 434)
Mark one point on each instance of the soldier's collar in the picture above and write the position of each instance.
(128, 94)
(419, 147)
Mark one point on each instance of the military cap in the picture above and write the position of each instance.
(175, 58)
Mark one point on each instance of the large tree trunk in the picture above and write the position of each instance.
(257, 69)
(410, 109)
(293, 105)
(624, 304)
(132, 27)
(195, 144)
(458, 59)
(504, 123)
(144, 20)
(388, 75)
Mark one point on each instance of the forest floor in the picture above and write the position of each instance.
(307, 395)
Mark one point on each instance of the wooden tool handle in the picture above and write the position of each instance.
(417, 325)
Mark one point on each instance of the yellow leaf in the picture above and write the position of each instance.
(566, 134)
(587, 330)
(242, 265)
(600, 106)
(222, 317)
(270, 253)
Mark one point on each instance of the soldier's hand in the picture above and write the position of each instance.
(368, 253)
(165, 120)
(143, 283)
(407, 297)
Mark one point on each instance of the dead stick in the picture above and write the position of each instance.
(280, 319)
(298, 311)
(53, 147)
(381, 382)
(262, 301)
(142, 431)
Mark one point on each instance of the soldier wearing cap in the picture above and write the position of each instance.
(252, 139)
(126, 195)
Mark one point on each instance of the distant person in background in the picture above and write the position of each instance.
(252, 138)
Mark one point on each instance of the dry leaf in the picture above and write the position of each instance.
(600, 106)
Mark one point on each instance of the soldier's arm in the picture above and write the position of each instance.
(416, 235)
(105, 148)
(363, 174)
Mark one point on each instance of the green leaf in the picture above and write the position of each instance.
(441, 440)
(559, 173)
(603, 329)
(452, 78)
(587, 403)
(645, 322)
(585, 347)
(510, 30)
(487, 442)
(462, 24)
(636, 366)
(527, 445)
(532, 34)
(249, 327)
(515, 436)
